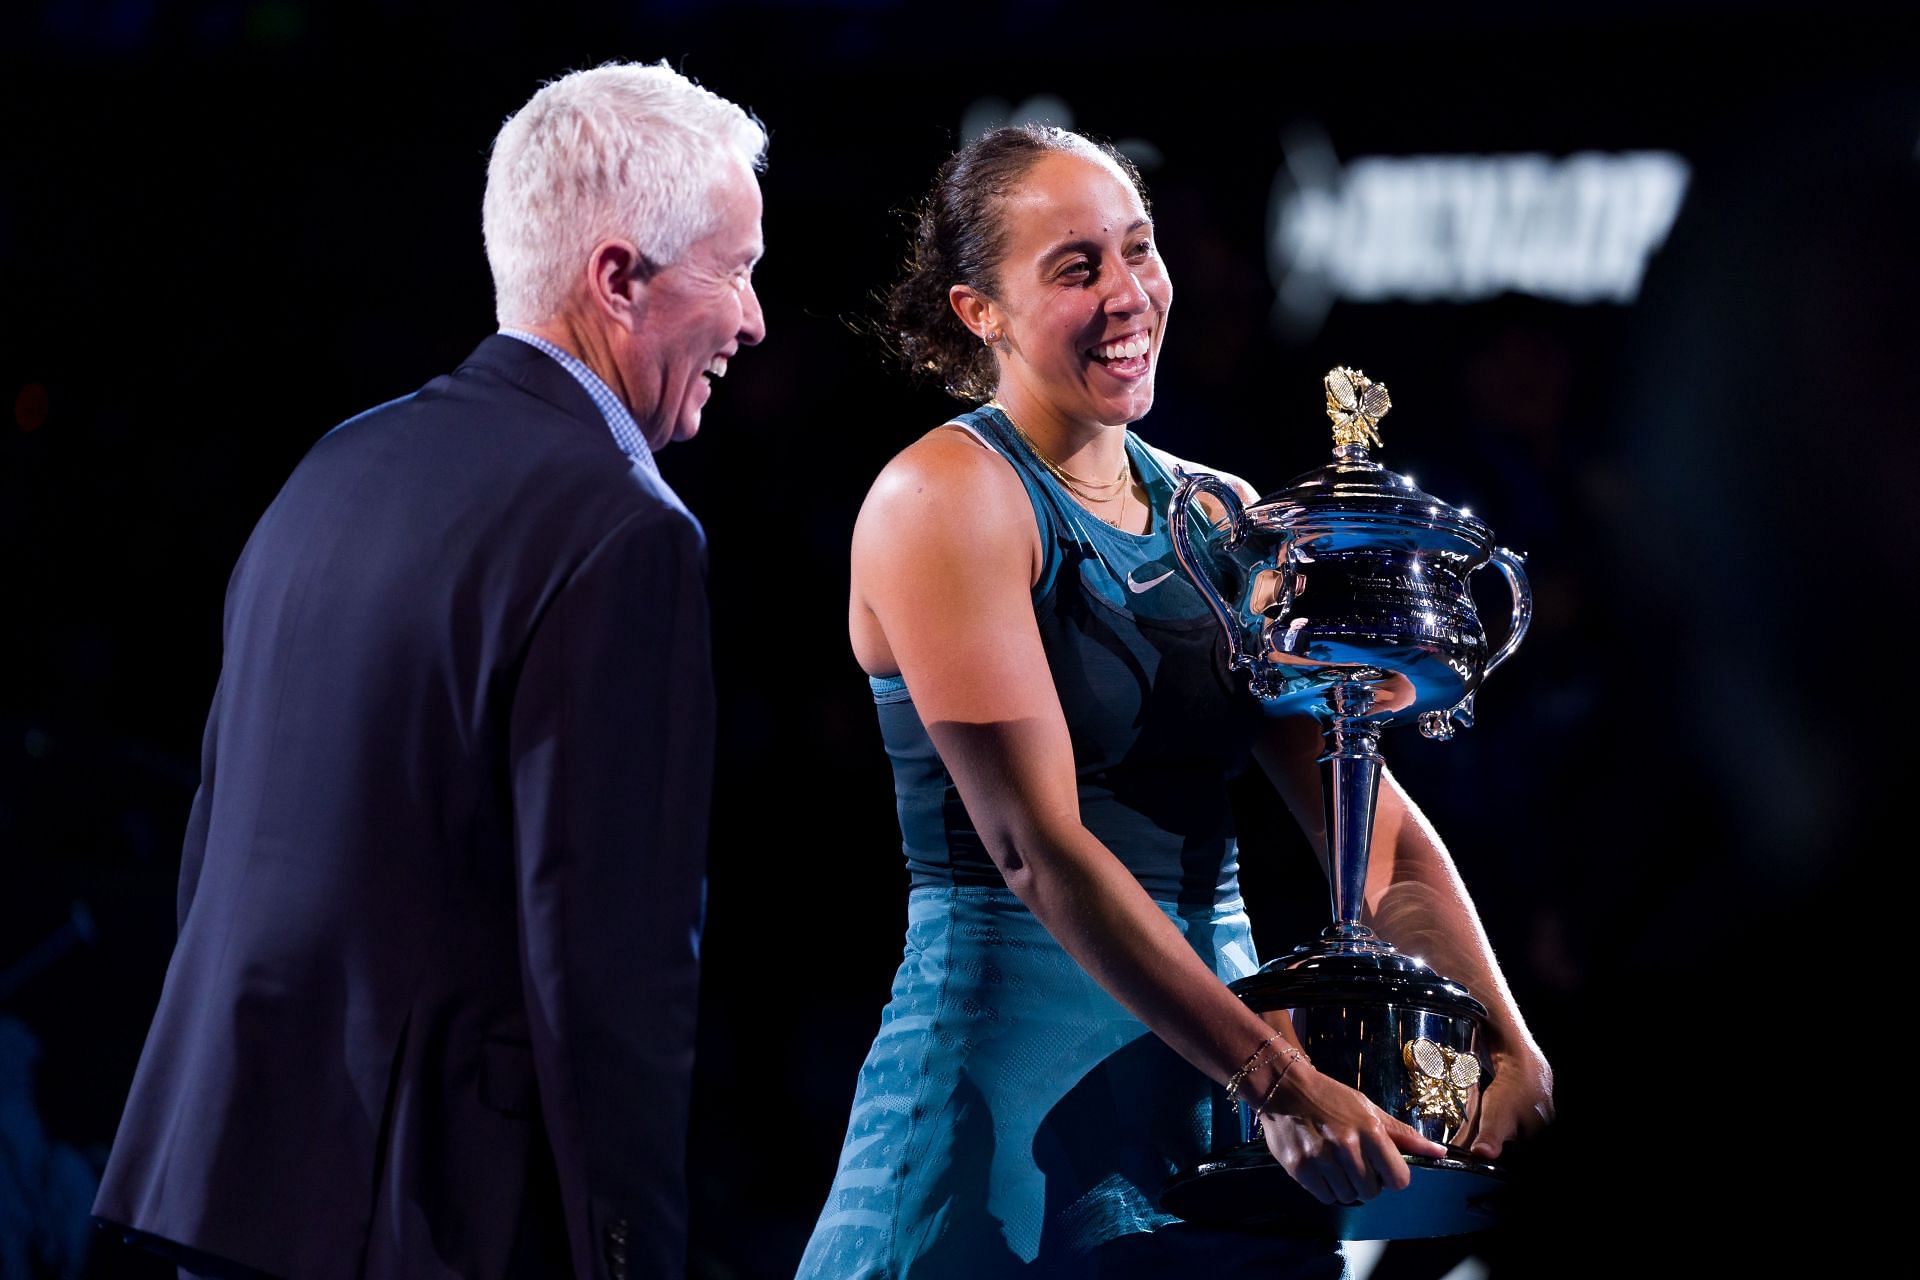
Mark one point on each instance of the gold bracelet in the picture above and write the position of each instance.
(1248, 1067)
(1299, 1054)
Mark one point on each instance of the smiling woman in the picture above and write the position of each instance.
(1078, 309)
(1062, 732)
(1062, 739)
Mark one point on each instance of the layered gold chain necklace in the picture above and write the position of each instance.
(1121, 485)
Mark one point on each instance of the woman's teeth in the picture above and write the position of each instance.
(1124, 350)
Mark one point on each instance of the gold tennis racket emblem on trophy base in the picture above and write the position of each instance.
(1441, 1078)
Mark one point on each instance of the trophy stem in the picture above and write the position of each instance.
(1350, 786)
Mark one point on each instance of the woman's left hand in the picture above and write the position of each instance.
(1518, 1104)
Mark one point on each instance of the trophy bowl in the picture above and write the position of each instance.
(1345, 596)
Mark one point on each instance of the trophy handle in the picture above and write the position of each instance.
(1509, 563)
(1439, 725)
(1191, 484)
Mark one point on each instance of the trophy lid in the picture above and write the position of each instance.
(1315, 976)
(1353, 492)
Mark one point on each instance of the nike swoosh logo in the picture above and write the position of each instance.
(1138, 587)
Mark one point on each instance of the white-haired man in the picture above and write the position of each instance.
(431, 1008)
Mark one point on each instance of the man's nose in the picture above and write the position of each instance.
(753, 321)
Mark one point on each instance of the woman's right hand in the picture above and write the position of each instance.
(1336, 1143)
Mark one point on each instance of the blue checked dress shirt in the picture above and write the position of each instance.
(626, 432)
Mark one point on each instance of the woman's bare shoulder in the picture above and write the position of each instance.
(947, 507)
(948, 471)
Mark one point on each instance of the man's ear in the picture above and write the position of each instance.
(617, 277)
(976, 311)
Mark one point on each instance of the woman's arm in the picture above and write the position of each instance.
(1415, 899)
(943, 558)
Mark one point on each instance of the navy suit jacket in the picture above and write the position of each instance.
(431, 1008)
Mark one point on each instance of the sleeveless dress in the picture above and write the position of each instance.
(1012, 1118)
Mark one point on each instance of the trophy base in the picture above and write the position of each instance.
(1246, 1190)
(1382, 1023)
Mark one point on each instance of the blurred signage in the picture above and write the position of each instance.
(1458, 228)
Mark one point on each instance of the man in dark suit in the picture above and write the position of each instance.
(430, 1012)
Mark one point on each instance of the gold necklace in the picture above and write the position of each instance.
(1066, 477)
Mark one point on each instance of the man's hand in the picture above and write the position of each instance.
(1338, 1145)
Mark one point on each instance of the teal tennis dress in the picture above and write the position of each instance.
(1012, 1119)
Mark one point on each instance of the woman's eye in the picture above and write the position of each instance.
(1077, 270)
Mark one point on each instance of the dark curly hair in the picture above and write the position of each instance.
(960, 237)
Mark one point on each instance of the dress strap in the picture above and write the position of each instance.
(1059, 531)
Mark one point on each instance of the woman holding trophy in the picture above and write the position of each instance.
(1062, 735)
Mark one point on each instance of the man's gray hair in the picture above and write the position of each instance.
(625, 151)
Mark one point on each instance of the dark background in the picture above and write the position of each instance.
(226, 226)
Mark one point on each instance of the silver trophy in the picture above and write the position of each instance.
(1344, 596)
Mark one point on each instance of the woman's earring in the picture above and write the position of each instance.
(990, 337)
